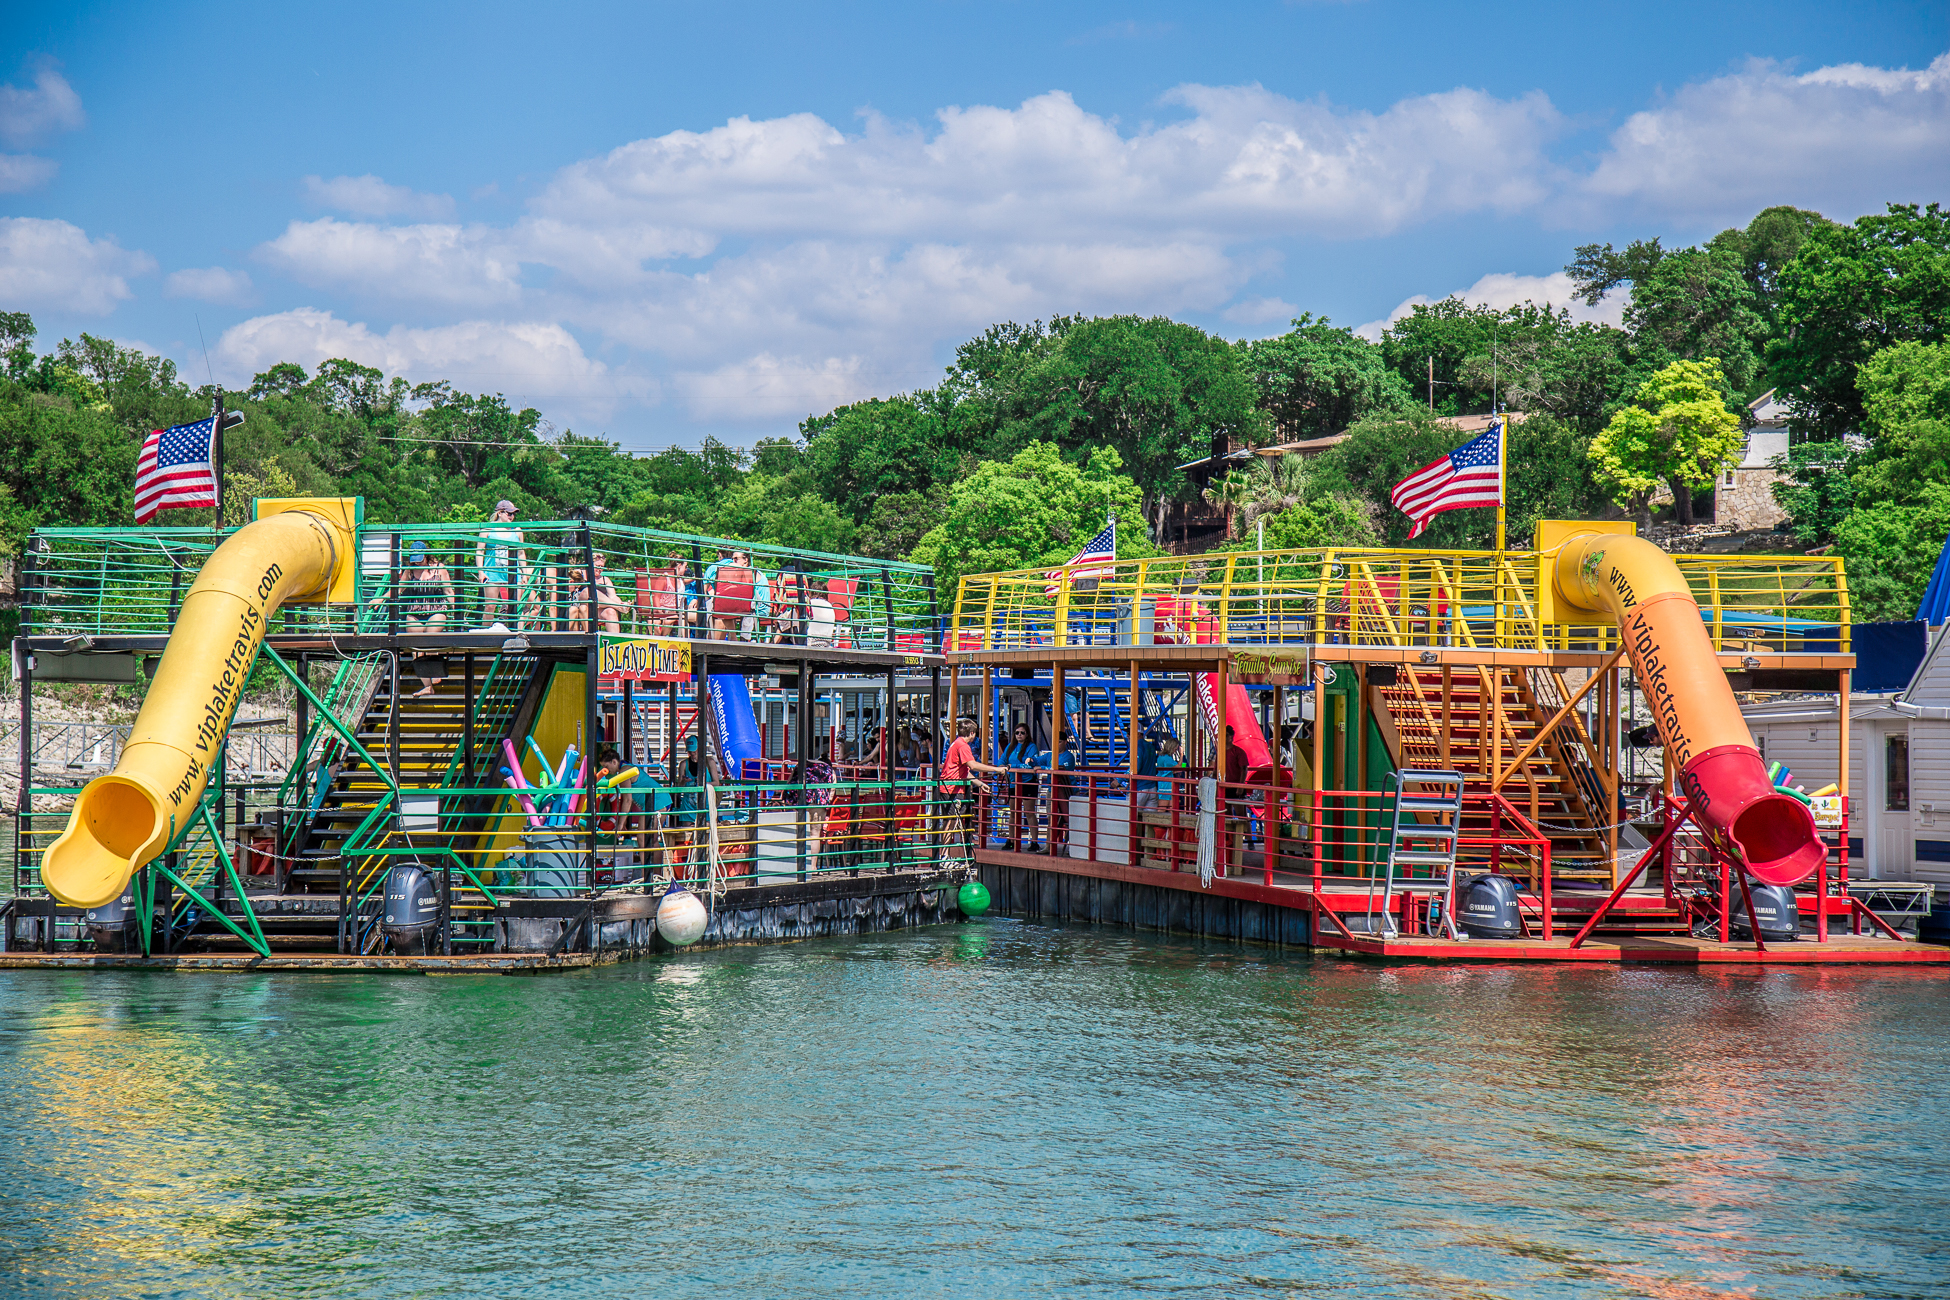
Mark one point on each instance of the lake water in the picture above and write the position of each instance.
(996, 1109)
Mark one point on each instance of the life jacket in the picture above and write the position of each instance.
(733, 595)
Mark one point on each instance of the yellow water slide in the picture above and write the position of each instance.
(1602, 577)
(297, 551)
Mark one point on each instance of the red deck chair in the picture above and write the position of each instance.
(731, 597)
(840, 593)
(657, 601)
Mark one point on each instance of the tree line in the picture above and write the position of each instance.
(1034, 432)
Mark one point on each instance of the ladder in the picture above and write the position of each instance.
(1421, 837)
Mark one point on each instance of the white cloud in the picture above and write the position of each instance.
(369, 196)
(20, 172)
(766, 386)
(1842, 139)
(210, 284)
(467, 266)
(529, 360)
(53, 266)
(1504, 289)
(774, 265)
(1260, 311)
(31, 115)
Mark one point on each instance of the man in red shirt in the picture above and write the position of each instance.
(957, 775)
(1235, 765)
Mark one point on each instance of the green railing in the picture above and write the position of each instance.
(530, 576)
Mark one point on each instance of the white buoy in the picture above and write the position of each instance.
(681, 918)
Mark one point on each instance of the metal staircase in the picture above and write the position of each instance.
(1421, 843)
(1476, 722)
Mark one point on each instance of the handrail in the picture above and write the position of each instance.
(1780, 604)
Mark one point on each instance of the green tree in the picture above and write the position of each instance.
(899, 521)
(1890, 550)
(1331, 520)
(1159, 392)
(1767, 244)
(1036, 508)
(1697, 304)
(1596, 269)
(1906, 415)
(1850, 292)
(1816, 489)
(859, 453)
(1678, 431)
(761, 508)
(1316, 380)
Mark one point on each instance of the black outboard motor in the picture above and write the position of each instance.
(1774, 907)
(412, 908)
(112, 926)
(1487, 908)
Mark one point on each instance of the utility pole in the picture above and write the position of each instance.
(1431, 383)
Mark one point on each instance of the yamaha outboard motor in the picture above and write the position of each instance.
(1487, 908)
(1774, 907)
(412, 908)
(112, 926)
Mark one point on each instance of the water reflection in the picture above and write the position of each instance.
(978, 1110)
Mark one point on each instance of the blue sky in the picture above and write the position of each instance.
(665, 221)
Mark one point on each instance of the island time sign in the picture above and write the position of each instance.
(644, 659)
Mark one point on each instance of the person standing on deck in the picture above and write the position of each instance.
(958, 775)
(501, 563)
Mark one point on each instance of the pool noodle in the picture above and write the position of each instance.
(527, 804)
(541, 757)
(514, 763)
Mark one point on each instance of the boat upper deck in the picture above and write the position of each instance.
(473, 586)
(1432, 606)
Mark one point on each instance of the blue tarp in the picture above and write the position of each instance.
(1886, 655)
(1936, 597)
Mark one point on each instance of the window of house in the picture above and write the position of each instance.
(1895, 773)
(1730, 474)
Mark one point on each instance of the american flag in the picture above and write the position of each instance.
(1101, 547)
(1471, 475)
(174, 471)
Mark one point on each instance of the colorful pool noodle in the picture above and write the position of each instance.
(548, 768)
(514, 764)
(575, 802)
(527, 804)
(623, 777)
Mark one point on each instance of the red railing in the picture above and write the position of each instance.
(1324, 838)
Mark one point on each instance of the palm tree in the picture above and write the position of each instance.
(1227, 492)
(1275, 485)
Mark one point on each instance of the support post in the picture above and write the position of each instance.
(467, 719)
(590, 745)
(1056, 757)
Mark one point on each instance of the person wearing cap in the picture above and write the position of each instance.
(500, 562)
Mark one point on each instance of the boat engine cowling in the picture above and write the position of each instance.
(1774, 907)
(112, 926)
(1486, 908)
(412, 906)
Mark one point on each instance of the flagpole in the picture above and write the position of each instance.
(217, 453)
(1502, 481)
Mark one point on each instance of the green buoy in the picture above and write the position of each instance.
(973, 898)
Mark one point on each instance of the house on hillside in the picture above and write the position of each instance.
(1743, 497)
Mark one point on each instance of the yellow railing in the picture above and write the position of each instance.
(1401, 598)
